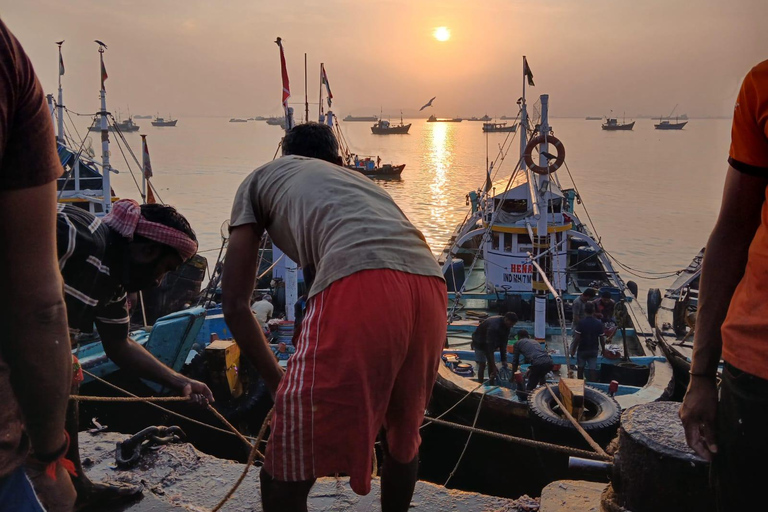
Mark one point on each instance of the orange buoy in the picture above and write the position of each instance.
(541, 139)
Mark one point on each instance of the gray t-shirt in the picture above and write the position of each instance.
(331, 219)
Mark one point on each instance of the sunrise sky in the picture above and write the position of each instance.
(191, 57)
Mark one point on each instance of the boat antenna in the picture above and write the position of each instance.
(320, 100)
(306, 97)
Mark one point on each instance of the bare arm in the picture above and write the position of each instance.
(725, 260)
(36, 342)
(237, 285)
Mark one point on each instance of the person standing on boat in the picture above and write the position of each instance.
(536, 356)
(732, 320)
(35, 362)
(579, 303)
(129, 250)
(588, 341)
(356, 368)
(263, 308)
(492, 334)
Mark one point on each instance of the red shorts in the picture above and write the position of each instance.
(367, 356)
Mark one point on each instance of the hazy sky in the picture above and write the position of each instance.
(191, 57)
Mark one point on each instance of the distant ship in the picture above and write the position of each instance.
(123, 126)
(613, 124)
(665, 124)
(276, 121)
(506, 118)
(159, 121)
(238, 120)
(499, 127)
(484, 118)
(591, 118)
(433, 119)
(383, 127)
(142, 117)
(362, 118)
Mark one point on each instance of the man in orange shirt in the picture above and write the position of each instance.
(732, 320)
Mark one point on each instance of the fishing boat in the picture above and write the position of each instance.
(238, 120)
(673, 317)
(361, 118)
(667, 124)
(613, 124)
(433, 119)
(123, 126)
(525, 250)
(384, 127)
(485, 118)
(499, 127)
(160, 121)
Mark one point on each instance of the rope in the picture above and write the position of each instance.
(575, 423)
(469, 393)
(84, 398)
(521, 440)
(474, 422)
(251, 458)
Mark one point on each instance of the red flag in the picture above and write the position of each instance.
(286, 84)
(324, 79)
(103, 73)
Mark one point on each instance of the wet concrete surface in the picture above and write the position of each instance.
(572, 496)
(178, 477)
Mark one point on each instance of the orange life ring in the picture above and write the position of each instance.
(540, 139)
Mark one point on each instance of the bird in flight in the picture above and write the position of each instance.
(429, 103)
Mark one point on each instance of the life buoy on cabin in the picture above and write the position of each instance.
(552, 167)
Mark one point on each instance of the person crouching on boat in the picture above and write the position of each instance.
(534, 354)
(588, 340)
(492, 334)
(356, 368)
(129, 250)
(605, 309)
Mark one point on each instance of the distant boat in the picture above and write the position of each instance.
(259, 118)
(612, 124)
(276, 121)
(499, 127)
(383, 127)
(506, 118)
(484, 118)
(238, 120)
(591, 118)
(362, 118)
(373, 169)
(142, 117)
(433, 119)
(159, 121)
(667, 125)
(124, 126)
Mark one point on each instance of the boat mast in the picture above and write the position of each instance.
(541, 243)
(60, 106)
(320, 117)
(106, 189)
(306, 97)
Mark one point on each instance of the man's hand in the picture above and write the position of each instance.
(56, 495)
(198, 392)
(698, 416)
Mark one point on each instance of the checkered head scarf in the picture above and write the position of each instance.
(126, 219)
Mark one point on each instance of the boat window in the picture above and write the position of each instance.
(515, 205)
(555, 206)
(524, 243)
(495, 241)
(508, 242)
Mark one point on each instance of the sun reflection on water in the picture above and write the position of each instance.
(440, 143)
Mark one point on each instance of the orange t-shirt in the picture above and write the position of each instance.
(745, 330)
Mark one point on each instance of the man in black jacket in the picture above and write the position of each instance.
(490, 335)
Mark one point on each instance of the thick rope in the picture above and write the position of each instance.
(251, 458)
(84, 398)
(523, 441)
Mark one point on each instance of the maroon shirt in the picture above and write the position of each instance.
(28, 158)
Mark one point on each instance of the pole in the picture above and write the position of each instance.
(306, 97)
(60, 106)
(143, 172)
(541, 242)
(320, 118)
(106, 189)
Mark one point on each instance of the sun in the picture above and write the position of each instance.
(442, 33)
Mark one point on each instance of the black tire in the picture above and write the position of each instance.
(603, 416)
(632, 287)
(654, 302)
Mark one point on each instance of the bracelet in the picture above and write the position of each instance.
(703, 375)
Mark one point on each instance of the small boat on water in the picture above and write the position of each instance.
(499, 127)
(613, 124)
(238, 120)
(433, 119)
(484, 118)
(123, 126)
(666, 124)
(142, 117)
(373, 168)
(276, 121)
(361, 118)
(673, 317)
(384, 127)
(160, 121)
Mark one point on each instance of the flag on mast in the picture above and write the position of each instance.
(324, 79)
(527, 71)
(61, 63)
(146, 168)
(104, 75)
(284, 70)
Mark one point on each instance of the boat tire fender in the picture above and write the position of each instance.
(552, 167)
(654, 302)
(632, 287)
(605, 420)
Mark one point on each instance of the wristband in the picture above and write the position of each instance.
(47, 458)
(702, 375)
(51, 461)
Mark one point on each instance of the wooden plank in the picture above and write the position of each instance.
(572, 395)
